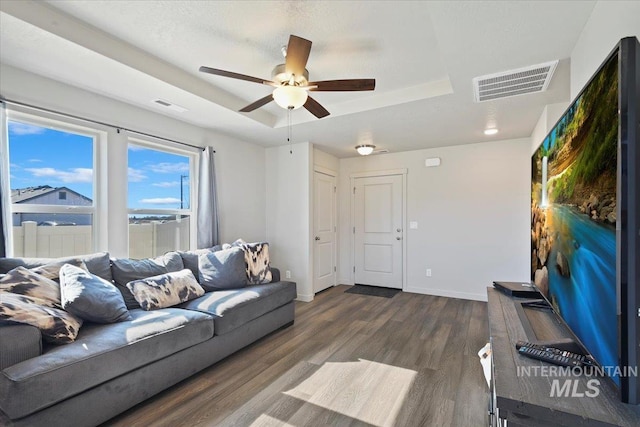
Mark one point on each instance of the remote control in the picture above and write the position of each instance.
(552, 355)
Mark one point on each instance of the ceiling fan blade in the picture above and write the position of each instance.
(297, 55)
(315, 108)
(344, 85)
(259, 103)
(224, 73)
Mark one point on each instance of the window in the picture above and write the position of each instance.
(52, 191)
(159, 199)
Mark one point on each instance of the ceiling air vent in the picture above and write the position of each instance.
(169, 105)
(531, 79)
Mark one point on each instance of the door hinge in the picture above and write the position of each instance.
(334, 189)
(354, 230)
(334, 268)
(334, 229)
(354, 268)
(354, 190)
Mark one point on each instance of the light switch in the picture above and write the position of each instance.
(413, 225)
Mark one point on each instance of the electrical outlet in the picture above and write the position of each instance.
(287, 274)
(428, 272)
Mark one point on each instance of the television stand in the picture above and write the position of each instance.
(528, 392)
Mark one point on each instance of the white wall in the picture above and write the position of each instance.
(288, 213)
(326, 160)
(240, 166)
(609, 22)
(472, 214)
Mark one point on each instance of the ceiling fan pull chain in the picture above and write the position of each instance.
(289, 129)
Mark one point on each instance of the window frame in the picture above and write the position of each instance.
(191, 212)
(68, 126)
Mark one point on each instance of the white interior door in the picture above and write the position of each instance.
(324, 224)
(378, 231)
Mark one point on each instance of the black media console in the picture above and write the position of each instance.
(528, 392)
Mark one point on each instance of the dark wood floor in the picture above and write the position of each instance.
(349, 360)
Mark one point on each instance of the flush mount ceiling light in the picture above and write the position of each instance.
(365, 149)
(290, 97)
(491, 131)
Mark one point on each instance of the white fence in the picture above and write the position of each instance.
(145, 240)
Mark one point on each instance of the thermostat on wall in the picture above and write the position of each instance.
(433, 161)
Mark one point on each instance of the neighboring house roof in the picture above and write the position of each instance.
(20, 195)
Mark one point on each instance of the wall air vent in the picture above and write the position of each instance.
(522, 81)
(169, 105)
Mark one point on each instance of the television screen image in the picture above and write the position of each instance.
(574, 215)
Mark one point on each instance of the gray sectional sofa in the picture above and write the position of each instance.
(111, 367)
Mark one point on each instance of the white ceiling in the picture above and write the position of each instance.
(423, 56)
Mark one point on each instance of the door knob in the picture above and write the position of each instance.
(398, 238)
(398, 230)
(317, 237)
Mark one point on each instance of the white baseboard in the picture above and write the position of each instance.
(448, 293)
(345, 281)
(305, 298)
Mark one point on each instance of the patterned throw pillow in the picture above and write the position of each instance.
(165, 290)
(22, 281)
(57, 326)
(52, 269)
(256, 258)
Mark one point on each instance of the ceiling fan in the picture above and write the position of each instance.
(291, 81)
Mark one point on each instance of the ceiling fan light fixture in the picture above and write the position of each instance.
(365, 149)
(290, 97)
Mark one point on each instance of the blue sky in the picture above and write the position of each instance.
(42, 156)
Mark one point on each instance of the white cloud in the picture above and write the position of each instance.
(17, 128)
(160, 201)
(136, 175)
(137, 148)
(75, 175)
(34, 161)
(166, 184)
(165, 167)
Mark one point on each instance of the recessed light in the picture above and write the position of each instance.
(492, 131)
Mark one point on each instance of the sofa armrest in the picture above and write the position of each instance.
(18, 343)
(275, 274)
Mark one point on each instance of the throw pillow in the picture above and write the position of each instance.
(57, 326)
(126, 270)
(165, 290)
(22, 281)
(90, 297)
(51, 270)
(190, 258)
(223, 269)
(256, 257)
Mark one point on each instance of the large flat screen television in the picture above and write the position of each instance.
(585, 217)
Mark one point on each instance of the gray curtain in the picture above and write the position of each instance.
(5, 192)
(207, 229)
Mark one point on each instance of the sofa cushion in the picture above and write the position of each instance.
(233, 308)
(190, 258)
(57, 326)
(98, 263)
(224, 269)
(19, 342)
(165, 290)
(90, 297)
(125, 270)
(101, 353)
(22, 281)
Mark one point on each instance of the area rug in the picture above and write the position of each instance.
(374, 291)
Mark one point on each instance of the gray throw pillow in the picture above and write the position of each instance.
(190, 258)
(165, 290)
(90, 297)
(223, 269)
(126, 270)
